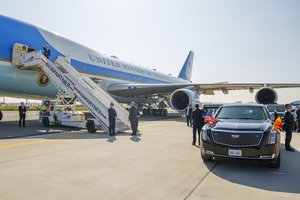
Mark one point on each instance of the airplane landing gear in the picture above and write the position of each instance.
(155, 112)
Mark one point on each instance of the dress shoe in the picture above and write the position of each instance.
(291, 149)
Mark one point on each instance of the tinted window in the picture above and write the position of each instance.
(279, 108)
(242, 112)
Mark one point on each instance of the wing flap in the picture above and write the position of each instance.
(128, 90)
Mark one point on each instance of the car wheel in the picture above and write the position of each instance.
(206, 157)
(276, 163)
(90, 125)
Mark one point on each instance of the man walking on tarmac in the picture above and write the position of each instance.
(288, 125)
(112, 114)
(198, 122)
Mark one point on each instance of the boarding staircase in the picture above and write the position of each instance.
(69, 81)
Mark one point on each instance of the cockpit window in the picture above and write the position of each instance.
(242, 112)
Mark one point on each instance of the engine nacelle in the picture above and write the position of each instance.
(266, 95)
(181, 98)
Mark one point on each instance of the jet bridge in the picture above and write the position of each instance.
(75, 85)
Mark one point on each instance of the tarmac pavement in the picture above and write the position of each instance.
(160, 163)
(9, 126)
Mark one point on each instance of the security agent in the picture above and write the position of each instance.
(288, 125)
(198, 122)
(298, 118)
(1, 115)
(188, 115)
(133, 118)
(112, 114)
(22, 114)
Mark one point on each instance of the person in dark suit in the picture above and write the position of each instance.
(188, 115)
(288, 125)
(298, 118)
(275, 115)
(133, 118)
(198, 122)
(112, 114)
(22, 114)
(47, 52)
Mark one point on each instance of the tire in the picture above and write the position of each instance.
(276, 163)
(144, 111)
(206, 157)
(45, 122)
(1, 115)
(165, 112)
(154, 112)
(160, 112)
(90, 125)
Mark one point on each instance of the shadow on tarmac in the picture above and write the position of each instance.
(10, 129)
(256, 175)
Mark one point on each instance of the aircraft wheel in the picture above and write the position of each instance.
(145, 111)
(160, 112)
(90, 125)
(148, 111)
(154, 112)
(45, 122)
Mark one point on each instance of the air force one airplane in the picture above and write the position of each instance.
(122, 80)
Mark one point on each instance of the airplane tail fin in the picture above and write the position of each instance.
(186, 70)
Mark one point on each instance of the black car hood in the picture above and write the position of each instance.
(238, 124)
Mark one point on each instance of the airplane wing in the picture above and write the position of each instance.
(128, 90)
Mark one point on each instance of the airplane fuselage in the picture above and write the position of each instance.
(85, 60)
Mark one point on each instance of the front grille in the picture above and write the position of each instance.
(235, 138)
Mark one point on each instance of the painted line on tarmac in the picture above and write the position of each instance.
(26, 143)
(199, 183)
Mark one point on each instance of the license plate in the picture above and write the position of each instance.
(233, 152)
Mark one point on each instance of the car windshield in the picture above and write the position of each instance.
(279, 108)
(242, 112)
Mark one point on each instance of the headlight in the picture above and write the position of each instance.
(204, 134)
(272, 137)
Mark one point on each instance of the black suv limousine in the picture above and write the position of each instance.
(242, 131)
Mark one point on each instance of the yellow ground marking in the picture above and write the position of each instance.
(26, 143)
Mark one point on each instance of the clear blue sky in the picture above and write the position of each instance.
(234, 40)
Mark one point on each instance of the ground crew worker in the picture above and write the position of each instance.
(112, 114)
(198, 122)
(133, 118)
(288, 125)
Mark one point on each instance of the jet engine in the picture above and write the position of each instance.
(266, 95)
(182, 97)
